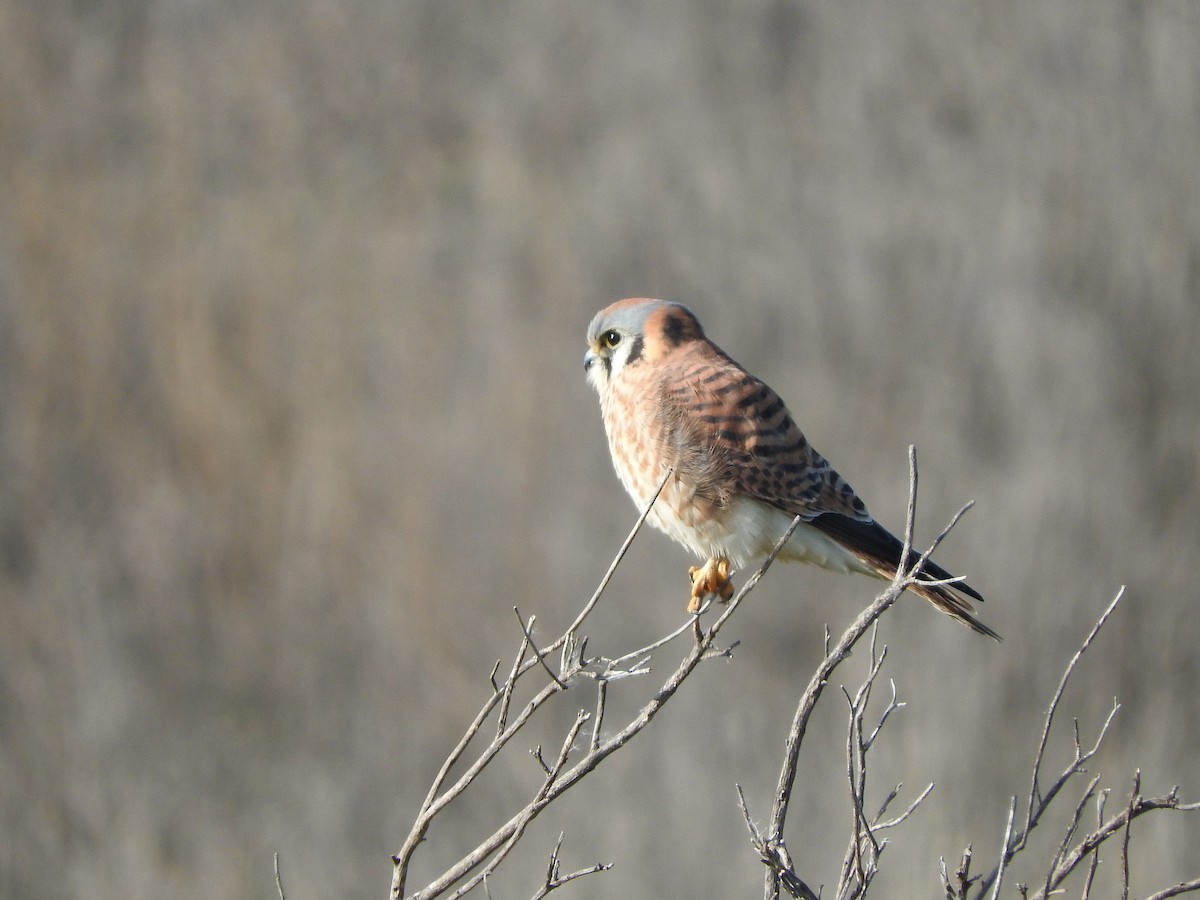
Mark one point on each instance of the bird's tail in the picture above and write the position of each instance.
(880, 551)
(955, 606)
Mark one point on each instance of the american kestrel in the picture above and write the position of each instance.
(741, 469)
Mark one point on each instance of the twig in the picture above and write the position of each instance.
(1065, 844)
(510, 684)
(1133, 796)
(1139, 806)
(537, 653)
(1095, 863)
(612, 567)
(909, 810)
(1004, 857)
(644, 653)
(551, 773)
(1034, 791)
(556, 880)
(601, 701)
(857, 869)
(1067, 857)
(962, 877)
(1184, 887)
(775, 858)
(892, 706)
(278, 878)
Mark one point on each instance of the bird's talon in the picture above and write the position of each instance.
(710, 578)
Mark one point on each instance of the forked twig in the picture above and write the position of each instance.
(554, 877)
(527, 629)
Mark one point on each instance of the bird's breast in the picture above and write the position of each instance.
(691, 509)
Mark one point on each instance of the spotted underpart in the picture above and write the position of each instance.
(741, 468)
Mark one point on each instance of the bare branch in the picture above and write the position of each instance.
(1095, 863)
(909, 810)
(1068, 856)
(1071, 828)
(1034, 791)
(1004, 856)
(1184, 887)
(643, 654)
(892, 706)
(962, 877)
(528, 815)
(1138, 806)
(1038, 802)
(834, 656)
(598, 718)
(554, 879)
(775, 858)
(527, 629)
(1133, 796)
(591, 604)
(859, 863)
(509, 684)
(489, 853)
(426, 813)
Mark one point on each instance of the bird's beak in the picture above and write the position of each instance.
(588, 358)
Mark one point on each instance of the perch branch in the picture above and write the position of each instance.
(490, 852)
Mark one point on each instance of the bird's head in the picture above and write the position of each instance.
(632, 331)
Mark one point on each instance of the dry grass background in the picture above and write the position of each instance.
(292, 297)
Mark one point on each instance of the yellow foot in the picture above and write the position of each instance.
(710, 578)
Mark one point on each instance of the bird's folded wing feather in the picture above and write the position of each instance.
(761, 452)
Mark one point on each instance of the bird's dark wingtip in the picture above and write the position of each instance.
(979, 628)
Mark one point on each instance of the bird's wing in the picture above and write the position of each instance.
(743, 433)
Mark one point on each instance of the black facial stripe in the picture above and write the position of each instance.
(635, 351)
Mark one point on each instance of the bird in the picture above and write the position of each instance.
(740, 469)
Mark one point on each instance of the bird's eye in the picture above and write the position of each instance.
(611, 339)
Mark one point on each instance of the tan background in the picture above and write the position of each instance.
(292, 297)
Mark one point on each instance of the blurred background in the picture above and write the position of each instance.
(292, 414)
